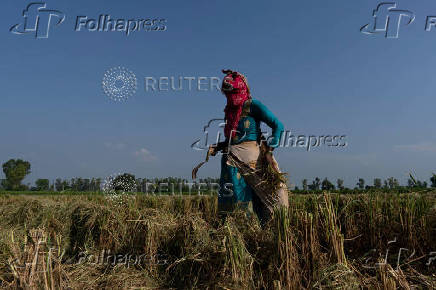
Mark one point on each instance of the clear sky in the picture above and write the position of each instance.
(306, 60)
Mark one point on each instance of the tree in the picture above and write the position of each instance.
(42, 184)
(86, 185)
(305, 185)
(79, 184)
(361, 183)
(327, 185)
(97, 184)
(392, 183)
(315, 184)
(59, 185)
(433, 180)
(340, 184)
(377, 183)
(15, 171)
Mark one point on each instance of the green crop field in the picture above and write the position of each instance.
(89, 241)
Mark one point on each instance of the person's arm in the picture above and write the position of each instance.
(215, 148)
(261, 112)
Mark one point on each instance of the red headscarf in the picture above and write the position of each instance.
(236, 89)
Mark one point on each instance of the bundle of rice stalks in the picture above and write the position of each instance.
(239, 261)
(333, 230)
(337, 276)
(195, 258)
(287, 257)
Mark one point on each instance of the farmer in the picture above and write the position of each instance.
(249, 171)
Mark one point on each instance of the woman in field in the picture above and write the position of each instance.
(249, 171)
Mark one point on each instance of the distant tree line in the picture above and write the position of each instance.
(378, 184)
(16, 170)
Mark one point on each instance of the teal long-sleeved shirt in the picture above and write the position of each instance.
(253, 114)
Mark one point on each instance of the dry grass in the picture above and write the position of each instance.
(323, 242)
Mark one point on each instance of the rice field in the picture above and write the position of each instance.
(326, 241)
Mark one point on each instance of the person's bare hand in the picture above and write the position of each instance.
(213, 150)
(270, 160)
